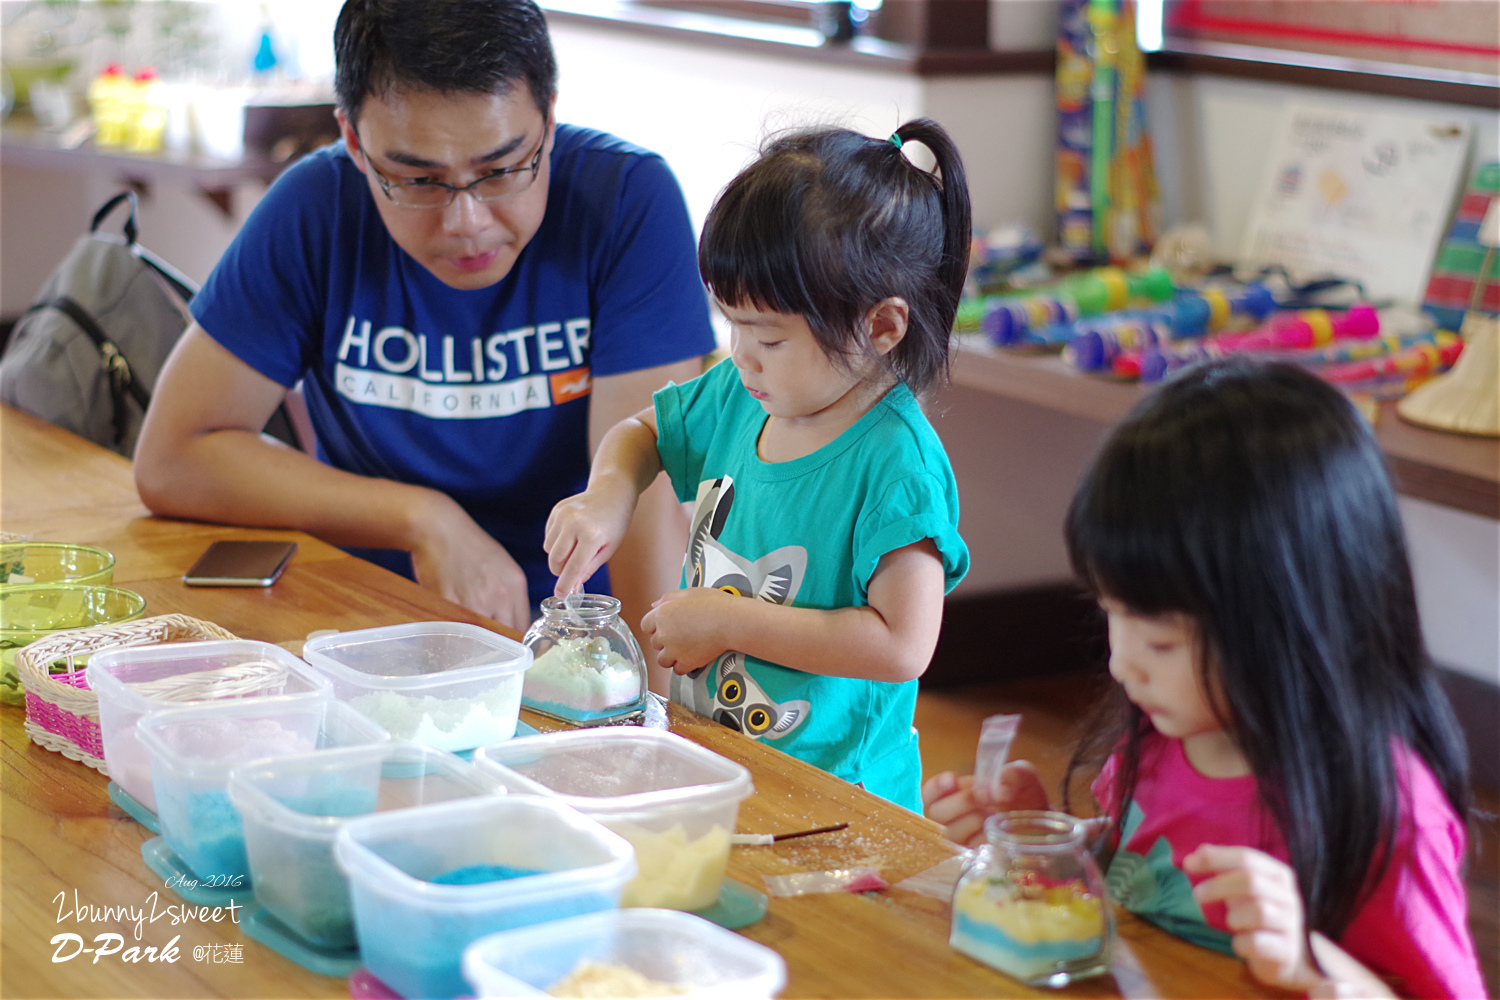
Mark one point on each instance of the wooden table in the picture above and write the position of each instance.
(1457, 470)
(65, 846)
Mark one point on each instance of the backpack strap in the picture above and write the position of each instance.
(175, 279)
(131, 232)
(121, 381)
(180, 284)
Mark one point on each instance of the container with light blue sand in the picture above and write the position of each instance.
(425, 882)
(192, 751)
(132, 681)
(293, 808)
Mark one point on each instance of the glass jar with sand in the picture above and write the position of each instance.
(586, 668)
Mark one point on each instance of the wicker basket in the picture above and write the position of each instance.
(62, 714)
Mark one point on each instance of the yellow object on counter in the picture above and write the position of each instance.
(674, 873)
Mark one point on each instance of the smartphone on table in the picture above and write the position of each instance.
(240, 563)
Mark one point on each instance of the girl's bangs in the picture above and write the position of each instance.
(1128, 540)
(751, 252)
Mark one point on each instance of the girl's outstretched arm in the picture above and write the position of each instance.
(584, 530)
(890, 639)
(1265, 916)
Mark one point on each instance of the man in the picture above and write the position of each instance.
(470, 294)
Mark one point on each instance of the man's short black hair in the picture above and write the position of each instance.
(450, 46)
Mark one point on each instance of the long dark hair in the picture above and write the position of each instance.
(1252, 497)
(828, 222)
(451, 46)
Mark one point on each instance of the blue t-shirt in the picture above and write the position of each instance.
(481, 394)
(808, 533)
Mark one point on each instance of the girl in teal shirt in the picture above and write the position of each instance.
(825, 531)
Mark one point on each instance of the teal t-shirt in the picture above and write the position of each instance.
(807, 533)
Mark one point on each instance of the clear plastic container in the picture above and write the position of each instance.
(447, 685)
(586, 666)
(697, 959)
(192, 751)
(132, 681)
(32, 611)
(543, 861)
(1031, 903)
(675, 802)
(293, 807)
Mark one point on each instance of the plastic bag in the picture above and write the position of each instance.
(832, 880)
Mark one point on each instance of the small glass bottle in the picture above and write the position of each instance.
(1031, 902)
(587, 668)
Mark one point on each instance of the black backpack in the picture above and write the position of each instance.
(87, 355)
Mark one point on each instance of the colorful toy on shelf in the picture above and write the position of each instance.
(1456, 272)
(1106, 194)
(1296, 331)
(1093, 344)
(996, 256)
(1131, 219)
(1417, 361)
(998, 259)
(1010, 320)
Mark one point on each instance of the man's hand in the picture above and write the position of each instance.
(962, 809)
(686, 629)
(584, 530)
(458, 559)
(1263, 912)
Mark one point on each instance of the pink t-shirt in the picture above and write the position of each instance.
(1413, 929)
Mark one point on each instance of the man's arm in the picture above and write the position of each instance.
(648, 562)
(200, 455)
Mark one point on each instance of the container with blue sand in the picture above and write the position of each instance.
(425, 882)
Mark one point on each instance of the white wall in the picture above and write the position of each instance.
(705, 110)
(1455, 559)
(1017, 466)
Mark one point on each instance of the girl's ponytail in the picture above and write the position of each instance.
(958, 226)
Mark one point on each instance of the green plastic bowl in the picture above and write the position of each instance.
(55, 562)
(32, 611)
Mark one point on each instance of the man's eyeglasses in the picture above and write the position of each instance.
(435, 194)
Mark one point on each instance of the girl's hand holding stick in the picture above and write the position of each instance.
(584, 530)
(962, 807)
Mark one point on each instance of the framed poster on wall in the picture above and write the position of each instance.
(1357, 195)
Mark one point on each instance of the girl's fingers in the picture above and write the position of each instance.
(1224, 886)
(1272, 957)
(968, 831)
(1021, 787)
(938, 786)
(1255, 913)
(580, 565)
(1215, 858)
(950, 807)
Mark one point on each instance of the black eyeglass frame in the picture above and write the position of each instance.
(535, 166)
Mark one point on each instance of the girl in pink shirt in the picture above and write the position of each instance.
(1282, 776)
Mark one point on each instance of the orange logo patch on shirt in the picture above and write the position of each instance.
(570, 384)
